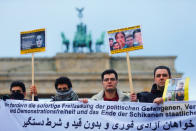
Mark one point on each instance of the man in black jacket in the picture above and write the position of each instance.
(161, 74)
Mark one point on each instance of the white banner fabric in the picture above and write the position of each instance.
(96, 116)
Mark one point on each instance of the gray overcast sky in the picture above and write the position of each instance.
(168, 26)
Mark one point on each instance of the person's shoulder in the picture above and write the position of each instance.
(154, 86)
(146, 97)
(98, 96)
(74, 96)
(123, 96)
(73, 93)
(126, 97)
(95, 97)
(5, 97)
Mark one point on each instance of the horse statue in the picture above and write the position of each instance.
(65, 42)
(100, 42)
(81, 39)
(89, 42)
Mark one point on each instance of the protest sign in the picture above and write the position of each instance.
(125, 39)
(96, 116)
(32, 41)
(176, 89)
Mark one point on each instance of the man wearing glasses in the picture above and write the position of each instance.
(64, 90)
(110, 91)
(161, 74)
(18, 91)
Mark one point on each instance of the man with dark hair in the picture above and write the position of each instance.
(116, 46)
(162, 67)
(129, 41)
(64, 90)
(161, 74)
(137, 36)
(18, 91)
(110, 91)
(111, 41)
(180, 91)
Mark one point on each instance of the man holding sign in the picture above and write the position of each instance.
(32, 41)
(161, 74)
(18, 91)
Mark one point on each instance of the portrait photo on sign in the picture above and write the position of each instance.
(176, 89)
(33, 41)
(39, 40)
(126, 39)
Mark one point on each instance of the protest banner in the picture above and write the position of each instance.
(176, 89)
(96, 116)
(125, 40)
(32, 41)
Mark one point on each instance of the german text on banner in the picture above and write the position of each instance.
(96, 116)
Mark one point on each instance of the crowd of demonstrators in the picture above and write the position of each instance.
(126, 40)
(110, 91)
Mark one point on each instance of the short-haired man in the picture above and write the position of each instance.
(18, 91)
(161, 74)
(110, 91)
(137, 36)
(64, 90)
(129, 41)
(116, 46)
(111, 40)
(180, 91)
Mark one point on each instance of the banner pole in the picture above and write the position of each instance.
(33, 74)
(129, 72)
